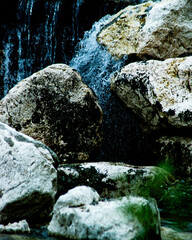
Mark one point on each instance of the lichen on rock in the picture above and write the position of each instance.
(159, 92)
(150, 30)
(57, 108)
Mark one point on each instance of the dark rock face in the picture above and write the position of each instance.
(175, 153)
(56, 107)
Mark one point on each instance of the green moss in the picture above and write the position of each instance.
(141, 211)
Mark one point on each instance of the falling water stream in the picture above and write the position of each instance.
(122, 136)
(29, 47)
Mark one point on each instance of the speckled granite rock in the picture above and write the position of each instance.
(159, 92)
(57, 108)
(156, 30)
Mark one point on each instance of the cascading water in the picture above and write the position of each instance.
(123, 139)
(40, 32)
(39, 39)
(75, 21)
(31, 44)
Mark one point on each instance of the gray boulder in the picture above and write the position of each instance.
(57, 108)
(159, 92)
(127, 218)
(28, 180)
(156, 30)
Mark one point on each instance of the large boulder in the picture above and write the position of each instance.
(159, 92)
(156, 30)
(28, 180)
(128, 218)
(112, 180)
(57, 108)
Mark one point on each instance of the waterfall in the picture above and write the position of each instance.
(43, 32)
(75, 20)
(94, 63)
(29, 46)
(7, 65)
(46, 33)
(123, 139)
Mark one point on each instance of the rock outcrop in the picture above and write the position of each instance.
(57, 108)
(28, 180)
(156, 30)
(159, 92)
(113, 180)
(128, 218)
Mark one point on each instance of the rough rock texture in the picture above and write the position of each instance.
(159, 30)
(20, 227)
(128, 218)
(28, 180)
(176, 153)
(57, 108)
(159, 92)
(112, 180)
(171, 234)
(120, 35)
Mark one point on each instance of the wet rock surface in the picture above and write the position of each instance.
(57, 108)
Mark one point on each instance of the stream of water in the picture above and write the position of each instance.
(123, 139)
